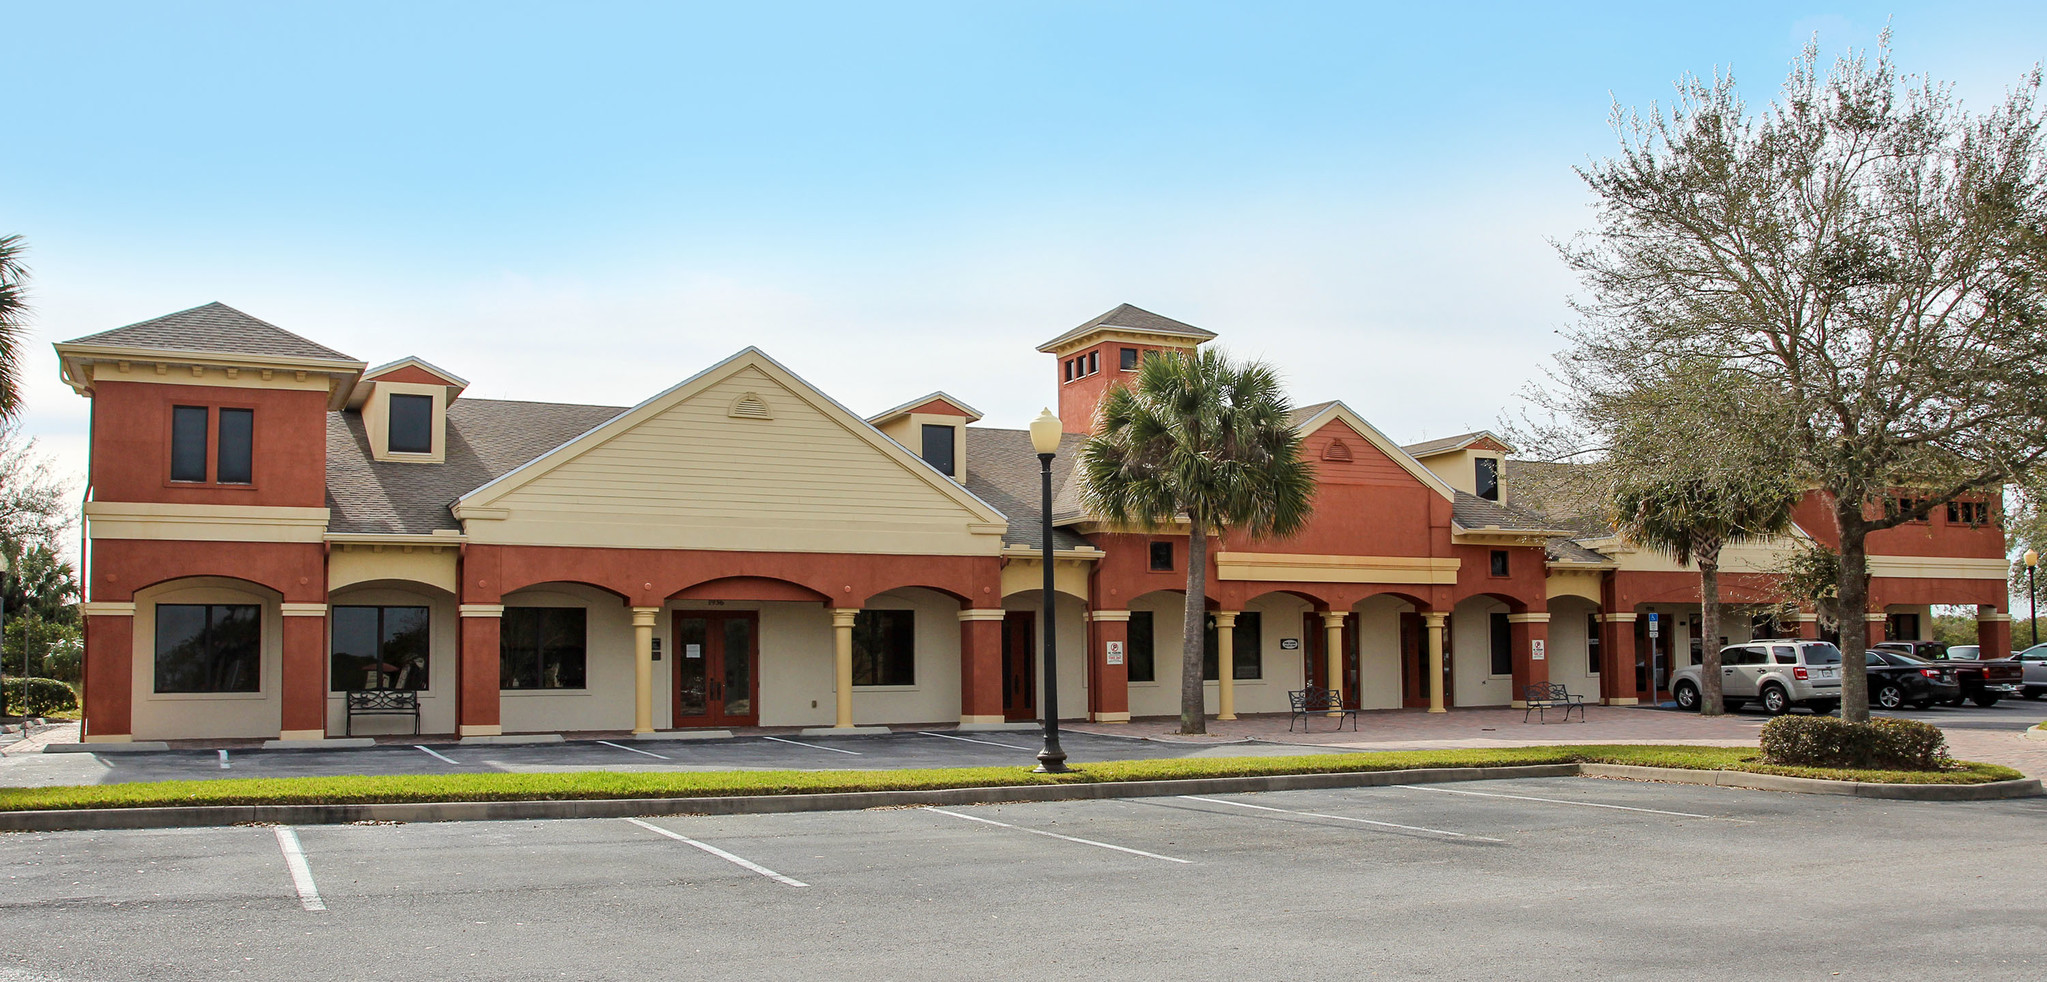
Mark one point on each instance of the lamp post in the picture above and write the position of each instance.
(3, 646)
(1045, 431)
(2033, 599)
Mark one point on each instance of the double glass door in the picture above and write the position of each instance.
(717, 660)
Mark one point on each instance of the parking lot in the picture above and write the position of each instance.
(1504, 879)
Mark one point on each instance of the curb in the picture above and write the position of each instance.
(2036, 732)
(474, 811)
(2022, 788)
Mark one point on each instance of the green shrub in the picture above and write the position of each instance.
(39, 697)
(1880, 744)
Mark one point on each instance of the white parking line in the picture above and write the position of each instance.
(301, 874)
(814, 746)
(948, 736)
(223, 760)
(431, 753)
(1346, 818)
(1055, 835)
(1561, 801)
(636, 750)
(721, 854)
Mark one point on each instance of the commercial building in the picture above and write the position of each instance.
(272, 523)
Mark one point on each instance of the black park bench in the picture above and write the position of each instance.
(1542, 698)
(381, 702)
(1312, 702)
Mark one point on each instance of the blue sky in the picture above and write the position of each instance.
(588, 202)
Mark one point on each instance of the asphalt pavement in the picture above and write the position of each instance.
(1554, 878)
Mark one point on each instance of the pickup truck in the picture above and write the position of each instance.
(1982, 682)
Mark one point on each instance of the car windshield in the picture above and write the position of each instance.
(2037, 652)
(1822, 654)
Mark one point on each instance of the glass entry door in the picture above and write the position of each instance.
(717, 661)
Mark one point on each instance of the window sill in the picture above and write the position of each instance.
(210, 486)
(527, 693)
(342, 694)
(207, 696)
(887, 688)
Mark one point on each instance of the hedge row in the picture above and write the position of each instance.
(1880, 744)
(39, 697)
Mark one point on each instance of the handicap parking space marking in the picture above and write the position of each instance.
(989, 743)
(1566, 801)
(635, 750)
(1055, 835)
(812, 746)
(301, 871)
(739, 861)
(433, 753)
(1345, 818)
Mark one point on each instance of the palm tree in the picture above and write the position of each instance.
(1203, 440)
(1690, 517)
(13, 322)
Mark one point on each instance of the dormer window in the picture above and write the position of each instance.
(412, 424)
(1488, 474)
(938, 447)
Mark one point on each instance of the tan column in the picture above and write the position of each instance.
(643, 668)
(1332, 628)
(842, 653)
(1225, 665)
(1435, 619)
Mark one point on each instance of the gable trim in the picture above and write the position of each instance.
(1337, 410)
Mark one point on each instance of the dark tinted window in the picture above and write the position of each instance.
(1488, 477)
(1129, 358)
(938, 445)
(378, 648)
(885, 647)
(1094, 362)
(237, 446)
(1499, 560)
(1161, 556)
(541, 648)
(1502, 645)
(1247, 648)
(1786, 654)
(188, 443)
(209, 647)
(1822, 654)
(1137, 655)
(1592, 644)
(412, 424)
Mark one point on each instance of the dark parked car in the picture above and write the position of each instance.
(1896, 680)
(1983, 682)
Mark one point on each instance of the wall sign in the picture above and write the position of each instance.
(692, 651)
(1655, 626)
(1115, 652)
(1538, 644)
(1289, 644)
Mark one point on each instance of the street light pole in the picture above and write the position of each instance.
(2032, 598)
(1045, 431)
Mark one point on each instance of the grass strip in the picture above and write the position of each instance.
(583, 785)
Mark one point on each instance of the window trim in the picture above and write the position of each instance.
(156, 651)
(391, 424)
(426, 669)
(211, 452)
(540, 663)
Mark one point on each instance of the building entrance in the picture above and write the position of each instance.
(1019, 686)
(717, 669)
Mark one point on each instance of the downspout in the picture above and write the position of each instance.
(84, 576)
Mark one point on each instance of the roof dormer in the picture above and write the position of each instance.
(404, 407)
(933, 427)
(1474, 463)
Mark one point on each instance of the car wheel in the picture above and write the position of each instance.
(1776, 701)
(1957, 701)
(1686, 694)
(1889, 696)
(1985, 701)
(2035, 691)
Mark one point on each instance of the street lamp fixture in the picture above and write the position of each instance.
(1045, 433)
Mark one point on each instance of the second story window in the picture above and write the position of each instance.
(1161, 557)
(412, 424)
(236, 464)
(1968, 513)
(1094, 362)
(938, 446)
(1499, 567)
(188, 443)
(1129, 357)
(1488, 474)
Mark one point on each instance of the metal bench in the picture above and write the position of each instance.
(1319, 702)
(381, 702)
(1540, 699)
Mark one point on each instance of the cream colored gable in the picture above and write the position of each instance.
(1337, 410)
(745, 456)
(1771, 555)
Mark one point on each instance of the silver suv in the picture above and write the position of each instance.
(2035, 661)
(1779, 674)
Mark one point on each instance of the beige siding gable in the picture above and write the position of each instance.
(744, 457)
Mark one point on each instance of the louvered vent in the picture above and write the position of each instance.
(1336, 450)
(750, 406)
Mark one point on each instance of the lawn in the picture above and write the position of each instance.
(608, 785)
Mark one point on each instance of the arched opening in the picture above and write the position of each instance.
(1022, 648)
(393, 634)
(208, 657)
(565, 659)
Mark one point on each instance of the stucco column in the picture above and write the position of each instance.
(1525, 631)
(842, 658)
(643, 668)
(1435, 620)
(109, 679)
(303, 688)
(1878, 622)
(1807, 625)
(476, 699)
(980, 666)
(1225, 664)
(1332, 646)
(1993, 632)
(1111, 694)
(1617, 676)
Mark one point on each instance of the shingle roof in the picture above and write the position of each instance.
(1562, 550)
(1427, 447)
(1135, 319)
(1475, 513)
(214, 328)
(1002, 469)
(1302, 414)
(487, 438)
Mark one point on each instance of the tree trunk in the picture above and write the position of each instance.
(1194, 634)
(1709, 625)
(1854, 589)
